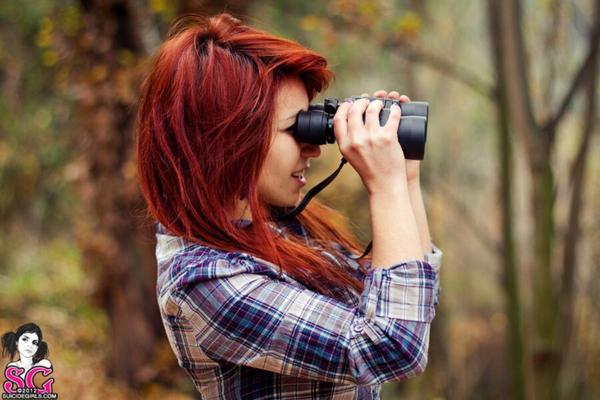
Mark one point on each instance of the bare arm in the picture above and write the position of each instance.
(394, 227)
(418, 207)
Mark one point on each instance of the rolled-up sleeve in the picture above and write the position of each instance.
(258, 321)
(435, 260)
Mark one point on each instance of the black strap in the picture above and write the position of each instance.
(312, 193)
(367, 250)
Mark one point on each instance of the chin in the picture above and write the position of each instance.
(288, 202)
(285, 200)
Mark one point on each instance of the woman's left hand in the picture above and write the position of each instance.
(412, 166)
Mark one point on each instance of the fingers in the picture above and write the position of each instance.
(355, 115)
(394, 118)
(340, 124)
(372, 115)
(391, 95)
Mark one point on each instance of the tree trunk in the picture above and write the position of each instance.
(546, 353)
(116, 244)
(513, 66)
(509, 256)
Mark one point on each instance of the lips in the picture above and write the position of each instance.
(299, 177)
(298, 174)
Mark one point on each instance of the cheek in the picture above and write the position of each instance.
(283, 156)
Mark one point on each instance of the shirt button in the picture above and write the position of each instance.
(358, 326)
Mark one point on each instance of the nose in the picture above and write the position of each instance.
(310, 150)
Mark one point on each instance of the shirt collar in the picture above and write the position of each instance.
(277, 226)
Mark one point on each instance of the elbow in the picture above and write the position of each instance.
(415, 365)
(420, 363)
(401, 354)
(417, 356)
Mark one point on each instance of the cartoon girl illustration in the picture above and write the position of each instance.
(27, 340)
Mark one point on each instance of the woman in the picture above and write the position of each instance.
(260, 309)
(27, 340)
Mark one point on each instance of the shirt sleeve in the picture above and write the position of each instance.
(435, 260)
(255, 320)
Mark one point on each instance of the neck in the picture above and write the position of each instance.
(26, 361)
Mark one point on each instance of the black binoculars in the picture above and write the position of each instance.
(316, 125)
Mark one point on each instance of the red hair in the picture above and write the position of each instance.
(203, 132)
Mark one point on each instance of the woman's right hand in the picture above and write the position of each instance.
(373, 150)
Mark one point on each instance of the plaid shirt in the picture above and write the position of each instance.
(244, 329)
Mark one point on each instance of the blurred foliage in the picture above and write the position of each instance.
(34, 152)
(41, 276)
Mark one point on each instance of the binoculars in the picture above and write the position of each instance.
(316, 125)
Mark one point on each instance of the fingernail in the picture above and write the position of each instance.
(348, 100)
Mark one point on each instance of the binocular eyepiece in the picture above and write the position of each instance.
(316, 125)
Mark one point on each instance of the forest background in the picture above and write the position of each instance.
(511, 181)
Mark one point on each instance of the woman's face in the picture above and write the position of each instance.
(284, 169)
(28, 344)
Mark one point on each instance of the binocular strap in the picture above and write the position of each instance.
(312, 193)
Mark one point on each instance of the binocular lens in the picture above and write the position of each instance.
(311, 127)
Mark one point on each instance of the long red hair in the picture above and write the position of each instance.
(203, 132)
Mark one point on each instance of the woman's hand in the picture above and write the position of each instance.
(372, 150)
(412, 166)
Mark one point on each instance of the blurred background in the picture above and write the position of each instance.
(511, 181)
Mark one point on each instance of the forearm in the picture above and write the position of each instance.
(418, 207)
(395, 232)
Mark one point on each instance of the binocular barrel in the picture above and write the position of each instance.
(316, 125)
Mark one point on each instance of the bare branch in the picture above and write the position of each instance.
(487, 239)
(550, 43)
(515, 68)
(459, 74)
(581, 75)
